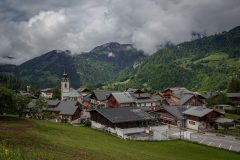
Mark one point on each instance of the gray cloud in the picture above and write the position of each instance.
(30, 28)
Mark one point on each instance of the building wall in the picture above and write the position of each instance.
(195, 125)
(194, 101)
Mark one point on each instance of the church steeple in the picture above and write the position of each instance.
(65, 85)
(65, 77)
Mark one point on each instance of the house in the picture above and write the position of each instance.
(144, 99)
(200, 118)
(171, 115)
(133, 97)
(47, 93)
(223, 107)
(222, 120)
(84, 91)
(67, 93)
(98, 98)
(53, 103)
(67, 110)
(181, 96)
(126, 122)
(235, 98)
(120, 99)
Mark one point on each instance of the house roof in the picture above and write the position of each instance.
(198, 111)
(124, 114)
(47, 89)
(233, 95)
(123, 97)
(102, 95)
(222, 120)
(134, 90)
(176, 111)
(67, 107)
(140, 95)
(53, 102)
(72, 93)
(184, 99)
(209, 94)
(153, 98)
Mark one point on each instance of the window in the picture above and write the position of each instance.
(191, 122)
(65, 85)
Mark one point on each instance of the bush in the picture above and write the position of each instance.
(87, 124)
(233, 111)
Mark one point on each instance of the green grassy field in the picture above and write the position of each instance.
(32, 139)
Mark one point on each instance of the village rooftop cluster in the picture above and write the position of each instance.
(134, 114)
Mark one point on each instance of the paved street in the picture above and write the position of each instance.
(227, 142)
(211, 139)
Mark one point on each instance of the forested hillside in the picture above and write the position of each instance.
(203, 64)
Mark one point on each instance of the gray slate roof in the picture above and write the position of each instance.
(53, 102)
(198, 111)
(124, 114)
(233, 95)
(184, 99)
(222, 120)
(123, 97)
(102, 95)
(176, 111)
(72, 93)
(65, 107)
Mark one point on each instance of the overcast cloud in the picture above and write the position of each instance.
(30, 28)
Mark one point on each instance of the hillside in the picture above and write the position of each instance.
(92, 68)
(34, 139)
(203, 64)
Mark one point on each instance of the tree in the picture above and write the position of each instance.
(8, 101)
(226, 126)
(221, 98)
(40, 104)
(21, 103)
(234, 84)
(56, 93)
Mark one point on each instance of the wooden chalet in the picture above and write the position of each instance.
(200, 118)
(123, 117)
(120, 99)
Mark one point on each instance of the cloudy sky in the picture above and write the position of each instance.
(30, 28)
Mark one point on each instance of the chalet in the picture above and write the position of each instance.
(133, 97)
(53, 103)
(223, 107)
(181, 96)
(123, 121)
(200, 118)
(98, 98)
(47, 93)
(120, 99)
(144, 99)
(67, 110)
(171, 115)
(235, 98)
(84, 91)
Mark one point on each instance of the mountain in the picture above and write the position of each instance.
(91, 68)
(202, 64)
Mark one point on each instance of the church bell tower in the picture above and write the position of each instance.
(65, 85)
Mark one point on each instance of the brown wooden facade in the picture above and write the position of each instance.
(113, 103)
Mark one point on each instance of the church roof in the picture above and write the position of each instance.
(72, 93)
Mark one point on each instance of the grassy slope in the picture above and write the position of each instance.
(46, 140)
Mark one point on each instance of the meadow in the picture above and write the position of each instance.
(24, 139)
